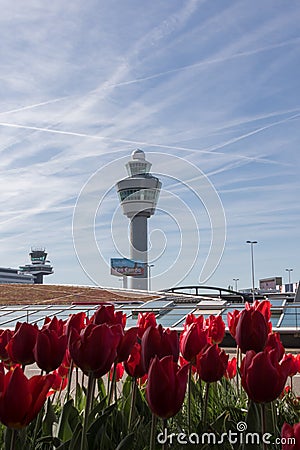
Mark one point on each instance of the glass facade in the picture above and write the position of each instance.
(139, 194)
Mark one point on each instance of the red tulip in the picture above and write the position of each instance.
(264, 306)
(274, 343)
(77, 321)
(191, 318)
(232, 320)
(119, 372)
(251, 331)
(20, 346)
(294, 364)
(290, 436)
(127, 341)
(144, 321)
(5, 337)
(133, 365)
(212, 364)
(21, 398)
(59, 383)
(192, 340)
(49, 349)
(166, 386)
(160, 342)
(263, 378)
(107, 314)
(94, 349)
(64, 368)
(54, 324)
(231, 369)
(216, 328)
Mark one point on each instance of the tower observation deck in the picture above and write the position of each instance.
(138, 195)
(39, 265)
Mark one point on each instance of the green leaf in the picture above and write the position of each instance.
(127, 387)
(97, 410)
(54, 441)
(96, 429)
(49, 419)
(80, 398)
(127, 442)
(253, 422)
(64, 446)
(101, 389)
(68, 421)
(75, 443)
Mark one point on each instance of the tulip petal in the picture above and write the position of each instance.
(15, 400)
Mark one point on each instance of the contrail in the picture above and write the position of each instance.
(251, 133)
(205, 63)
(23, 108)
(160, 74)
(209, 150)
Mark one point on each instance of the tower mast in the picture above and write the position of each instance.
(138, 195)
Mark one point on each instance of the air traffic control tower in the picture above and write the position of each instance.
(39, 265)
(138, 194)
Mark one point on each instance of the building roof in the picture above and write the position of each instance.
(35, 294)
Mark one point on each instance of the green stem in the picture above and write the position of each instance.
(69, 381)
(237, 370)
(13, 438)
(263, 422)
(132, 403)
(112, 385)
(205, 404)
(165, 427)
(37, 427)
(273, 412)
(76, 387)
(89, 400)
(189, 397)
(201, 393)
(153, 432)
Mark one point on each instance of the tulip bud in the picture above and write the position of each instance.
(251, 331)
(263, 378)
(133, 365)
(192, 340)
(49, 349)
(166, 386)
(212, 364)
(94, 349)
(160, 342)
(216, 328)
(20, 346)
(145, 320)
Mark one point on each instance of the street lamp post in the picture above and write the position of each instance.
(252, 266)
(289, 271)
(149, 274)
(235, 283)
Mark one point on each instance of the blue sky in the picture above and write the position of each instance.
(209, 90)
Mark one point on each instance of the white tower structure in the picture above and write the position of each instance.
(138, 194)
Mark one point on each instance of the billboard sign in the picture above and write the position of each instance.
(127, 267)
(268, 284)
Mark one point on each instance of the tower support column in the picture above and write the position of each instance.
(139, 248)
